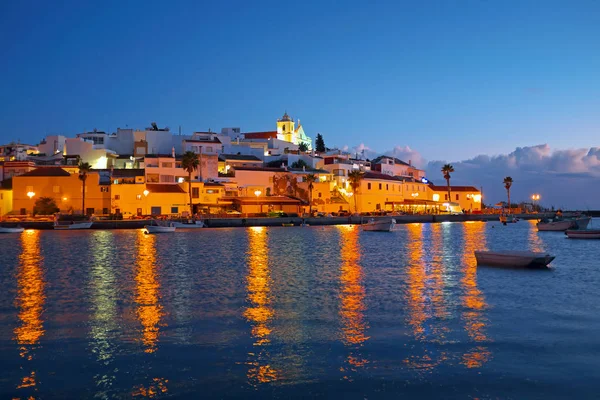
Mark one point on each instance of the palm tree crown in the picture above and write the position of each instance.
(508, 181)
(190, 163)
(355, 177)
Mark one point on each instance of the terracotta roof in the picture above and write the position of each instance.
(260, 135)
(378, 175)
(454, 188)
(240, 157)
(48, 171)
(396, 160)
(164, 188)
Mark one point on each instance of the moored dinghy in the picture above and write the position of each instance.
(583, 233)
(519, 259)
(162, 227)
(16, 229)
(379, 226)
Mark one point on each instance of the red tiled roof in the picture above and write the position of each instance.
(261, 135)
(454, 188)
(164, 188)
(378, 175)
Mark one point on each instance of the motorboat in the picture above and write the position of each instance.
(508, 219)
(582, 222)
(162, 227)
(189, 224)
(560, 225)
(583, 233)
(379, 226)
(519, 259)
(68, 225)
(16, 229)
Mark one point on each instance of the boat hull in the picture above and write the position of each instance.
(379, 226)
(513, 259)
(11, 230)
(77, 225)
(583, 234)
(159, 229)
(556, 226)
(582, 222)
(189, 225)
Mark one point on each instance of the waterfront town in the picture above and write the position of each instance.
(135, 173)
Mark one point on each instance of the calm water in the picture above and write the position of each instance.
(297, 312)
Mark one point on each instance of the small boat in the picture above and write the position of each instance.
(508, 219)
(583, 233)
(582, 222)
(190, 224)
(65, 225)
(16, 229)
(161, 227)
(379, 226)
(522, 259)
(557, 226)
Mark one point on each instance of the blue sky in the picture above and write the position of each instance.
(449, 79)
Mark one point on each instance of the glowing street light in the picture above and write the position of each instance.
(535, 197)
(146, 193)
(258, 193)
(30, 195)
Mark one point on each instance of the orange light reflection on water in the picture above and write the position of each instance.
(260, 312)
(352, 295)
(473, 300)
(30, 300)
(149, 310)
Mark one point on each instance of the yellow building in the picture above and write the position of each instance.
(63, 187)
(6, 201)
(467, 198)
(287, 131)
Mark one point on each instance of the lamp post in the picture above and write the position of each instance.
(470, 198)
(535, 197)
(30, 195)
(414, 196)
(146, 193)
(258, 193)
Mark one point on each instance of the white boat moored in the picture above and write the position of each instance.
(583, 233)
(16, 229)
(190, 224)
(520, 259)
(556, 226)
(160, 227)
(379, 226)
(72, 225)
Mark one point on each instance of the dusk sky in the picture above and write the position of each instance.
(450, 82)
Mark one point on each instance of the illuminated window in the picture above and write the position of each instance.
(138, 196)
(104, 189)
(174, 210)
(117, 197)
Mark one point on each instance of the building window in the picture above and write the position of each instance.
(153, 178)
(167, 178)
(320, 194)
(369, 185)
(195, 192)
(138, 196)
(89, 211)
(117, 197)
(174, 210)
(56, 189)
(457, 197)
(118, 211)
(446, 197)
(380, 186)
(105, 211)
(1, 196)
(167, 165)
(139, 212)
(103, 189)
(209, 149)
(387, 187)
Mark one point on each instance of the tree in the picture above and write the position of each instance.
(303, 147)
(355, 177)
(311, 179)
(84, 170)
(508, 181)
(446, 170)
(45, 206)
(300, 164)
(320, 144)
(190, 163)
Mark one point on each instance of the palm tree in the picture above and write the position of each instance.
(446, 170)
(355, 177)
(84, 170)
(311, 179)
(508, 181)
(190, 163)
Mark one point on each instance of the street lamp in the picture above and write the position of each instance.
(30, 195)
(535, 197)
(258, 193)
(146, 193)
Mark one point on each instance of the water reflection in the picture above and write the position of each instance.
(535, 243)
(474, 238)
(259, 311)
(30, 303)
(149, 311)
(352, 296)
(103, 319)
